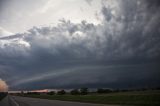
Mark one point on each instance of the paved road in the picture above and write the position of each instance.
(25, 101)
(8, 101)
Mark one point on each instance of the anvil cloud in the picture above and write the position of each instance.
(122, 50)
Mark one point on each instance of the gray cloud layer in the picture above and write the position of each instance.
(122, 51)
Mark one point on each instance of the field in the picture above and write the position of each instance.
(141, 98)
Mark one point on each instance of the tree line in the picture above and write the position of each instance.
(81, 91)
(84, 91)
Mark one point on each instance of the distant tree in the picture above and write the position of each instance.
(51, 93)
(117, 90)
(75, 92)
(124, 90)
(84, 91)
(61, 92)
(33, 93)
(157, 88)
(143, 89)
(101, 90)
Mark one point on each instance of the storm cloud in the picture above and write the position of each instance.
(121, 51)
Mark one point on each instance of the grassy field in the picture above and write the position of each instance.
(141, 98)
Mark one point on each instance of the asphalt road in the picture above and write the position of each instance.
(25, 101)
(8, 101)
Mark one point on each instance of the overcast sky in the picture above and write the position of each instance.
(79, 43)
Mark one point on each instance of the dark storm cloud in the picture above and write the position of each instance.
(107, 13)
(93, 78)
(123, 51)
(2, 2)
(153, 3)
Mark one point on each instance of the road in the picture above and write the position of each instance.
(25, 101)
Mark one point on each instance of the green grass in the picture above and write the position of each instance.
(146, 98)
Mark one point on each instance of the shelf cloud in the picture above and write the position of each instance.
(120, 51)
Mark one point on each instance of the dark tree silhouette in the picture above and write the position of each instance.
(101, 90)
(51, 93)
(84, 91)
(75, 92)
(61, 92)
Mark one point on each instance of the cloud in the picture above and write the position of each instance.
(46, 6)
(153, 3)
(121, 51)
(89, 1)
(3, 86)
(4, 32)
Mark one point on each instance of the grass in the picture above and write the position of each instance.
(2, 95)
(145, 98)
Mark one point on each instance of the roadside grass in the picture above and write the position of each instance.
(2, 95)
(141, 98)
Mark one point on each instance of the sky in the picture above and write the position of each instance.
(50, 44)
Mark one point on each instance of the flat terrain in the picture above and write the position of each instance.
(25, 101)
(136, 98)
(142, 98)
